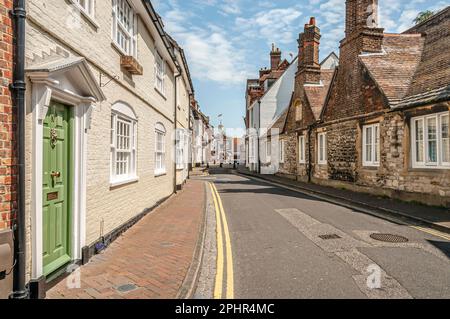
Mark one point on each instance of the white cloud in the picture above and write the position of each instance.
(211, 54)
(275, 25)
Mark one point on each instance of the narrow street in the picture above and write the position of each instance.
(278, 251)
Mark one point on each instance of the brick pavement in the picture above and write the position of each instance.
(154, 255)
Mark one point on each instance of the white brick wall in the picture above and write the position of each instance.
(49, 26)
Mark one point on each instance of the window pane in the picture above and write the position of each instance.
(432, 140)
(377, 144)
(445, 139)
(419, 141)
(369, 144)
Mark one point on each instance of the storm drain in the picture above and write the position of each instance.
(330, 237)
(167, 244)
(389, 238)
(126, 288)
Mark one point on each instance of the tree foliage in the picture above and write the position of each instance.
(422, 16)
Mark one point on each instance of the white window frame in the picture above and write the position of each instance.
(322, 149)
(374, 145)
(129, 46)
(268, 149)
(127, 173)
(282, 146)
(426, 162)
(301, 149)
(160, 74)
(86, 6)
(180, 146)
(160, 150)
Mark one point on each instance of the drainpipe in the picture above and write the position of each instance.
(310, 128)
(18, 87)
(175, 189)
(259, 131)
(190, 138)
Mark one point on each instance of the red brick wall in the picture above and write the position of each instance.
(7, 155)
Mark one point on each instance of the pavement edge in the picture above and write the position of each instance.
(189, 284)
(391, 215)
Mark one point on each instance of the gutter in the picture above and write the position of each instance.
(18, 87)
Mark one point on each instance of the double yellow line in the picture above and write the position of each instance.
(432, 232)
(223, 239)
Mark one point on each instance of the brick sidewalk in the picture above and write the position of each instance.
(154, 255)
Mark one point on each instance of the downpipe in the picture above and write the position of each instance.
(18, 88)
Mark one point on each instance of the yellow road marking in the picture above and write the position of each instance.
(230, 271)
(432, 232)
(219, 272)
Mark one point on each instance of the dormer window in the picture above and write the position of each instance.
(124, 27)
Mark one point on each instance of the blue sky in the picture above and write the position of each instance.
(228, 41)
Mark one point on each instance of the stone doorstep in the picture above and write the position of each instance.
(360, 206)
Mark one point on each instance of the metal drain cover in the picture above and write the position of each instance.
(126, 288)
(389, 238)
(330, 236)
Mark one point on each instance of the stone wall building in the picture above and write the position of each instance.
(8, 156)
(383, 127)
(100, 127)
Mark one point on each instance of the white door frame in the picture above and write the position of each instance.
(43, 92)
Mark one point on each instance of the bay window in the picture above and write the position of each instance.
(124, 27)
(371, 145)
(430, 141)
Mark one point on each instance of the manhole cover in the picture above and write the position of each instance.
(389, 238)
(126, 288)
(330, 236)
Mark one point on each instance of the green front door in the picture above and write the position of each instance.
(56, 187)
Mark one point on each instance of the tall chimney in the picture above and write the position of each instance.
(275, 57)
(362, 22)
(309, 43)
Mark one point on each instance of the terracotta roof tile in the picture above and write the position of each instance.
(316, 95)
(394, 69)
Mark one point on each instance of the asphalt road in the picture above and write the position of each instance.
(278, 252)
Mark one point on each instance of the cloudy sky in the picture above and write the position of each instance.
(228, 41)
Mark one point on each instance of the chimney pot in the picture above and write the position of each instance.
(312, 21)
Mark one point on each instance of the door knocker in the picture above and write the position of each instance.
(53, 137)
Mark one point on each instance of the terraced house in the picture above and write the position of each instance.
(107, 89)
(380, 122)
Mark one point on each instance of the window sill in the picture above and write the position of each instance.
(322, 164)
(120, 50)
(161, 93)
(160, 173)
(371, 166)
(429, 168)
(86, 15)
(124, 181)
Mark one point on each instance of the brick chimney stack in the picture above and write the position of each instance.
(309, 43)
(275, 57)
(362, 24)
